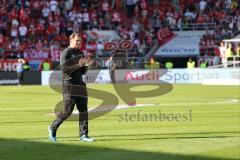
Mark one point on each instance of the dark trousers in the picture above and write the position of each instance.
(112, 76)
(20, 77)
(71, 99)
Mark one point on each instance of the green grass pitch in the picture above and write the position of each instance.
(212, 132)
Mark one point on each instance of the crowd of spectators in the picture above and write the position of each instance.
(39, 29)
(226, 16)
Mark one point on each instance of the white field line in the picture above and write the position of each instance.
(124, 106)
(119, 107)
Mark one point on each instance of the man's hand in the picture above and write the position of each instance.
(89, 62)
(82, 62)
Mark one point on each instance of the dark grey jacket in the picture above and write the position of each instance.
(72, 73)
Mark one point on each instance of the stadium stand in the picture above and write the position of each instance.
(35, 29)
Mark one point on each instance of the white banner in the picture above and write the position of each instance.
(45, 77)
(185, 43)
(172, 76)
(103, 36)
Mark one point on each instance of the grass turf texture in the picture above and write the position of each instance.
(213, 132)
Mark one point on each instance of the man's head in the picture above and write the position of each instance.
(75, 40)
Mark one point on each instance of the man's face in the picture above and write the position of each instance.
(76, 42)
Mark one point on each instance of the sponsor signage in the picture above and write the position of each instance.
(29, 77)
(8, 65)
(151, 76)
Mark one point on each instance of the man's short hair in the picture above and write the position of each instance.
(73, 35)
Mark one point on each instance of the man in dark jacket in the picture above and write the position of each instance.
(74, 66)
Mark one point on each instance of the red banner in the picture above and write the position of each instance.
(123, 45)
(8, 65)
(165, 35)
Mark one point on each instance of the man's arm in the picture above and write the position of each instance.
(114, 66)
(70, 65)
(89, 62)
(68, 68)
(22, 61)
(84, 70)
